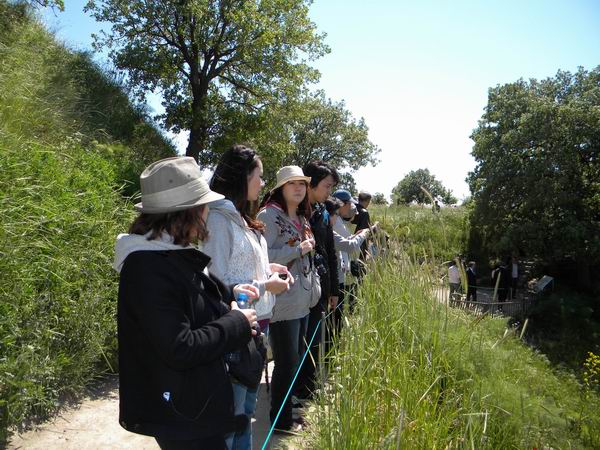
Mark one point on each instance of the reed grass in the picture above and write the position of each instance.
(408, 371)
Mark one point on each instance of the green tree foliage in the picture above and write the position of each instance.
(326, 130)
(55, 4)
(413, 186)
(301, 130)
(379, 199)
(536, 185)
(210, 56)
(347, 182)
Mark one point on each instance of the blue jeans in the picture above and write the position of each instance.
(244, 402)
(287, 343)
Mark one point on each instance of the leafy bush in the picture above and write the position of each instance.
(70, 144)
(565, 326)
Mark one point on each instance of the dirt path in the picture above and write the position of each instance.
(93, 424)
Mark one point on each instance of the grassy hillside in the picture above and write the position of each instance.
(71, 144)
(409, 372)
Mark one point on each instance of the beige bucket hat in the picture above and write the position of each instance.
(289, 173)
(173, 184)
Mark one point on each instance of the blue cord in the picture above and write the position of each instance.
(296, 376)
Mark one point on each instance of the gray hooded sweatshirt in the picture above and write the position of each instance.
(283, 239)
(238, 253)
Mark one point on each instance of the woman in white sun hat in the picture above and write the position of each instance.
(290, 242)
(176, 322)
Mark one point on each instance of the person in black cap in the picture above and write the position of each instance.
(323, 179)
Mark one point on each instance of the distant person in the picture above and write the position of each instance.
(348, 246)
(514, 277)
(454, 279)
(472, 282)
(362, 220)
(176, 321)
(504, 286)
(436, 206)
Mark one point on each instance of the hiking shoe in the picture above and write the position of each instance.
(294, 430)
(297, 402)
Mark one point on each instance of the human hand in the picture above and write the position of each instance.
(249, 314)
(251, 291)
(282, 270)
(307, 246)
(276, 285)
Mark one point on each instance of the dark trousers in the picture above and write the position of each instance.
(350, 296)
(335, 320)
(472, 293)
(287, 343)
(307, 378)
(513, 288)
(209, 443)
(502, 294)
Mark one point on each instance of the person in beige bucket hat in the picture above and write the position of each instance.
(289, 173)
(173, 184)
(176, 321)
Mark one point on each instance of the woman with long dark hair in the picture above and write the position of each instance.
(176, 321)
(289, 238)
(239, 255)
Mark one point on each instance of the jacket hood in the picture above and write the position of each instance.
(129, 243)
(227, 209)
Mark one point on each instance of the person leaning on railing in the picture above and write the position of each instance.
(472, 282)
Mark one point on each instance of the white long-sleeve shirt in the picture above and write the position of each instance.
(346, 244)
(453, 275)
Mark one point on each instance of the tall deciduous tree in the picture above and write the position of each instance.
(301, 130)
(379, 199)
(413, 186)
(207, 56)
(536, 185)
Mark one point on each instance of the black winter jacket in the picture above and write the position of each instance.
(172, 339)
(325, 247)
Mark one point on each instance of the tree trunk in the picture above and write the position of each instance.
(198, 142)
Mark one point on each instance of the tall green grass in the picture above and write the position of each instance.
(410, 372)
(65, 159)
(422, 232)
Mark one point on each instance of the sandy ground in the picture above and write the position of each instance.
(93, 424)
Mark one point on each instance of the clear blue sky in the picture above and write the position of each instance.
(418, 72)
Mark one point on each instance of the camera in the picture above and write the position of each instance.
(283, 276)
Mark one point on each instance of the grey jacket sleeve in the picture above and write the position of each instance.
(348, 245)
(219, 243)
(278, 254)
